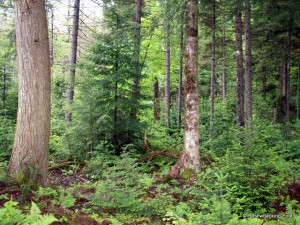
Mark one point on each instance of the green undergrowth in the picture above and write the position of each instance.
(10, 215)
(238, 188)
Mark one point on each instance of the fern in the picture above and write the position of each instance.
(292, 215)
(65, 199)
(9, 215)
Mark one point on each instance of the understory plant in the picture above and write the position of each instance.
(126, 188)
(256, 173)
(10, 215)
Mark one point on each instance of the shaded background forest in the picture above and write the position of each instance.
(102, 108)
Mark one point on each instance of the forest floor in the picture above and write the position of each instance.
(58, 178)
(68, 214)
(73, 208)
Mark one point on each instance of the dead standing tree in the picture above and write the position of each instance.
(189, 160)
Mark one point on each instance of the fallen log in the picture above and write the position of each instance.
(64, 164)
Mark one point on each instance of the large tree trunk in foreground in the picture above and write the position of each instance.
(30, 152)
(73, 57)
(190, 158)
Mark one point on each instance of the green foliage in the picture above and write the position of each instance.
(238, 221)
(182, 214)
(124, 187)
(10, 215)
(8, 86)
(71, 170)
(3, 172)
(46, 192)
(255, 173)
(146, 181)
(243, 172)
(118, 187)
(65, 199)
(29, 179)
(292, 214)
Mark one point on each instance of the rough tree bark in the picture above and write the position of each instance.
(285, 82)
(213, 70)
(288, 79)
(136, 61)
(240, 115)
(223, 76)
(248, 80)
(179, 95)
(156, 101)
(30, 152)
(283, 92)
(73, 57)
(298, 91)
(190, 158)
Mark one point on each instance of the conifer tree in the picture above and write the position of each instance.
(30, 152)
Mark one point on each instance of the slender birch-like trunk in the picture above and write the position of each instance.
(73, 57)
(190, 158)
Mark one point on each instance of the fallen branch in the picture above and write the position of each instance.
(153, 155)
(162, 153)
(10, 189)
(166, 149)
(64, 164)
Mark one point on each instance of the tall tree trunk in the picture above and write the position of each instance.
(4, 102)
(30, 152)
(136, 56)
(168, 65)
(190, 158)
(283, 92)
(156, 101)
(285, 81)
(288, 79)
(51, 7)
(223, 76)
(68, 19)
(213, 71)
(298, 91)
(179, 95)
(264, 84)
(4, 91)
(248, 81)
(115, 137)
(73, 57)
(52, 36)
(240, 117)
